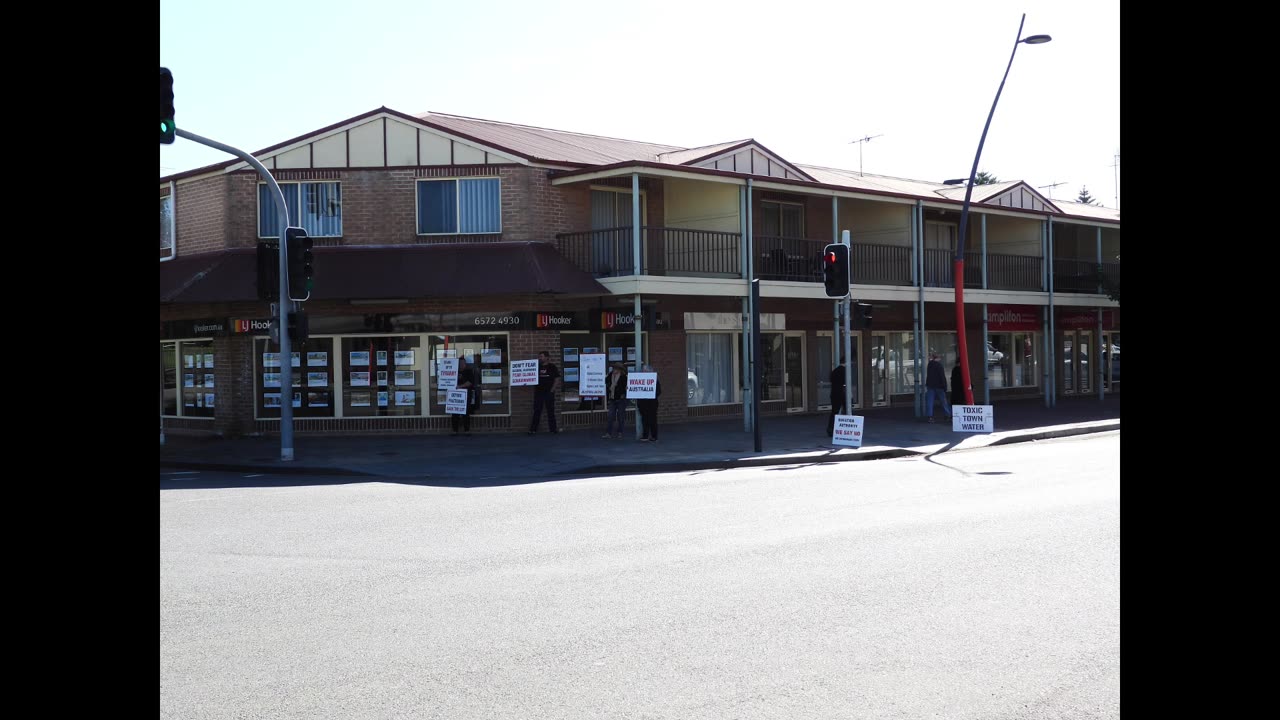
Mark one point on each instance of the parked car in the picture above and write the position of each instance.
(994, 356)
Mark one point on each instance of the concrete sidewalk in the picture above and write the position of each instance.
(485, 457)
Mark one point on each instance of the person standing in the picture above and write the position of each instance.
(837, 397)
(466, 381)
(545, 394)
(648, 410)
(957, 386)
(935, 387)
(616, 395)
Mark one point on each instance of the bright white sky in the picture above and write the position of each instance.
(803, 77)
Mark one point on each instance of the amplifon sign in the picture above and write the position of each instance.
(1013, 318)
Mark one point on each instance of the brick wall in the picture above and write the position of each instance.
(201, 215)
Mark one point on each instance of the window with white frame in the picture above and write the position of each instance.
(314, 206)
(166, 224)
(459, 206)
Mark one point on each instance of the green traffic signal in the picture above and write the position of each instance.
(167, 127)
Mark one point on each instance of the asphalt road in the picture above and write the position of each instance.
(973, 584)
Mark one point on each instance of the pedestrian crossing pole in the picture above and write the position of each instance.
(848, 340)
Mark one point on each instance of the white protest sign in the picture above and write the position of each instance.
(524, 372)
(591, 383)
(642, 386)
(455, 403)
(972, 418)
(848, 431)
(448, 374)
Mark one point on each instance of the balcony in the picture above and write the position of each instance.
(609, 252)
(1081, 276)
(1004, 272)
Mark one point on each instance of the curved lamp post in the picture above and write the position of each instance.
(958, 268)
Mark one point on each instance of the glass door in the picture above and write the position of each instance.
(1085, 370)
(1068, 362)
(793, 372)
(879, 369)
(824, 371)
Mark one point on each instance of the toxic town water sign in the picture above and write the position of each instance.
(972, 418)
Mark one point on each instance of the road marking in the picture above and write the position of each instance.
(181, 472)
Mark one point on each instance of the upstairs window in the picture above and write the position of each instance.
(781, 219)
(166, 226)
(314, 206)
(465, 206)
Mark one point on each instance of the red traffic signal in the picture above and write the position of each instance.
(835, 270)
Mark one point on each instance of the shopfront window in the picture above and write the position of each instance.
(382, 376)
(169, 378)
(711, 359)
(615, 346)
(194, 380)
(487, 357)
(900, 366)
(312, 366)
(1012, 360)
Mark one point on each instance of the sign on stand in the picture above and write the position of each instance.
(591, 383)
(524, 372)
(455, 403)
(848, 431)
(972, 418)
(642, 386)
(448, 377)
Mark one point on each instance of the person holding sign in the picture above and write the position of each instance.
(648, 410)
(466, 381)
(545, 394)
(616, 394)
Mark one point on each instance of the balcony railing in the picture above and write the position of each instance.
(603, 253)
(1004, 272)
(609, 252)
(1081, 276)
(781, 258)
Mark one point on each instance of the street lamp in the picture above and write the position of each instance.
(958, 268)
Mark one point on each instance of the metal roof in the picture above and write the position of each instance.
(580, 149)
(551, 145)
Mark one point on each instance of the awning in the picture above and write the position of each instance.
(388, 271)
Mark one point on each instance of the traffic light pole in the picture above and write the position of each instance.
(848, 341)
(286, 356)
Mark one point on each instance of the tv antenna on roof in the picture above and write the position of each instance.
(1051, 186)
(859, 142)
(1116, 167)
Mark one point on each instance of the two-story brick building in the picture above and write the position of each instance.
(441, 235)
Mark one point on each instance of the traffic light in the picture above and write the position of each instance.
(167, 127)
(300, 268)
(268, 270)
(835, 270)
(298, 327)
(861, 316)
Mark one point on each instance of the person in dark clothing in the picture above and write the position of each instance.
(648, 410)
(837, 397)
(545, 394)
(616, 396)
(935, 387)
(957, 386)
(466, 381)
